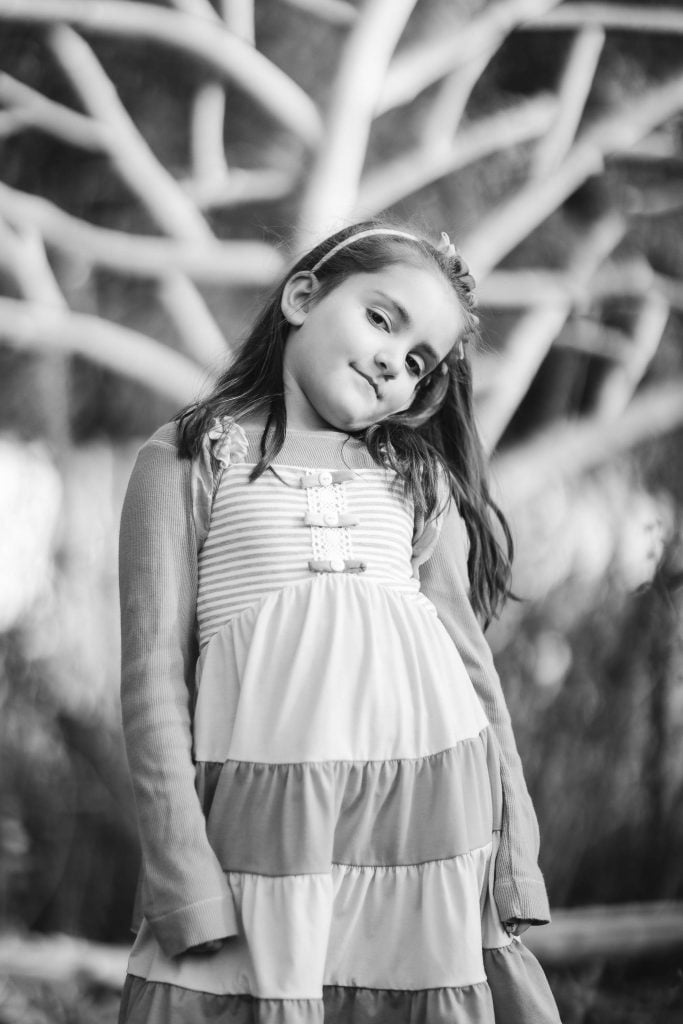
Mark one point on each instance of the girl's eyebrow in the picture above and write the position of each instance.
(402, 313)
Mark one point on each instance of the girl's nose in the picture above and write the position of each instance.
(387, 364)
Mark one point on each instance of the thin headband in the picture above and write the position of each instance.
(355, 238)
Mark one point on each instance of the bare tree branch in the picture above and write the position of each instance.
(23, 256)
(25, 259)
(148, 179)
(660, 145)
(31, 326)
(208, 112)
(238, 15)
(206, 136)
(630, 280)
(132, 157)
(531, 338)
(526, 346)
(213, 47)
(242, 186)
(337, 12)
(207, 31)
(527, 288)
(396, 179)
(14, 121)
(239, 263)
(671, 290)
(619, 386)
(332, 187)
(197, 8)
(656, 201)
(626, 17)
(500, 231)
(441, 121)
(191, 318)
(595, 338)
(575, 86)
(412, 72)
(36, 110)
(213, 184)
(568, 449)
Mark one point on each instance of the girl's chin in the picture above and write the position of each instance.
(352, 425)
(346, 421)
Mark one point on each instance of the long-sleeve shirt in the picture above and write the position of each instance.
(184, 894)
(519, 889)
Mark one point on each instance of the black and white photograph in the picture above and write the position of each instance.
(341, 512)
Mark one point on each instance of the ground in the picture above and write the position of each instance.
(604, 993)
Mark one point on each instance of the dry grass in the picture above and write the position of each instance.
(621, 993)
(645, 993)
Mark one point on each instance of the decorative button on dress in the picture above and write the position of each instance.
(349, 777)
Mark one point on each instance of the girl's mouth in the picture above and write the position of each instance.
(368, 379)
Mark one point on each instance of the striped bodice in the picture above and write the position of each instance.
(295, 522)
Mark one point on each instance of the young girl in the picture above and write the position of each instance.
(334, 821)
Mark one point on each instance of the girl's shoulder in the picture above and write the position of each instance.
(167, 434)
(224, 441)
(164, 476)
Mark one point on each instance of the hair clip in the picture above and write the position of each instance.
(461, 271)
(446, 247)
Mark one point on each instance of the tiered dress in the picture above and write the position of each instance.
(349, 793)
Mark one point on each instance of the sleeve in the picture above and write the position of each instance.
(184, 892)
(519, 889)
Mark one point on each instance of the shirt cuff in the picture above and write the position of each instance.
(200, 922)
(526, 900)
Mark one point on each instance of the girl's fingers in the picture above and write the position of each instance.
(516, 927)
(211, 946)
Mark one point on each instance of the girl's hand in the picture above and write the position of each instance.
(516, 927)
(212, 946)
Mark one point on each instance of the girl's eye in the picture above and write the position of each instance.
(415, 365)
(378, 319)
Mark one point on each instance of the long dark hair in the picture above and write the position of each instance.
(435, 440)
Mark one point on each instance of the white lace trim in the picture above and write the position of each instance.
(329, 543)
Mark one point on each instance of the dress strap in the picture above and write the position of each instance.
(427, 531)
(225, 443)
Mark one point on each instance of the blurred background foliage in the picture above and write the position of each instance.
(591, 656)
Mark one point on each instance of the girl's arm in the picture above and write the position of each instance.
(185, 896)
(519, 889)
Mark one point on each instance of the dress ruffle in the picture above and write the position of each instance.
(520, 990)
(416, 926)
(515, 992)
(154, 1003)
(272, 693)
(292, 818)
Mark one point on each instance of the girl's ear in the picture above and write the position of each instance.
(297, 295)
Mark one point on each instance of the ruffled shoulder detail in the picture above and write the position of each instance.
(224, 443)
(227, 441)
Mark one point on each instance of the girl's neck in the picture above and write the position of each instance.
(258, 424)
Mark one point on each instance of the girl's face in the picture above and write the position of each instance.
(357, 354)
